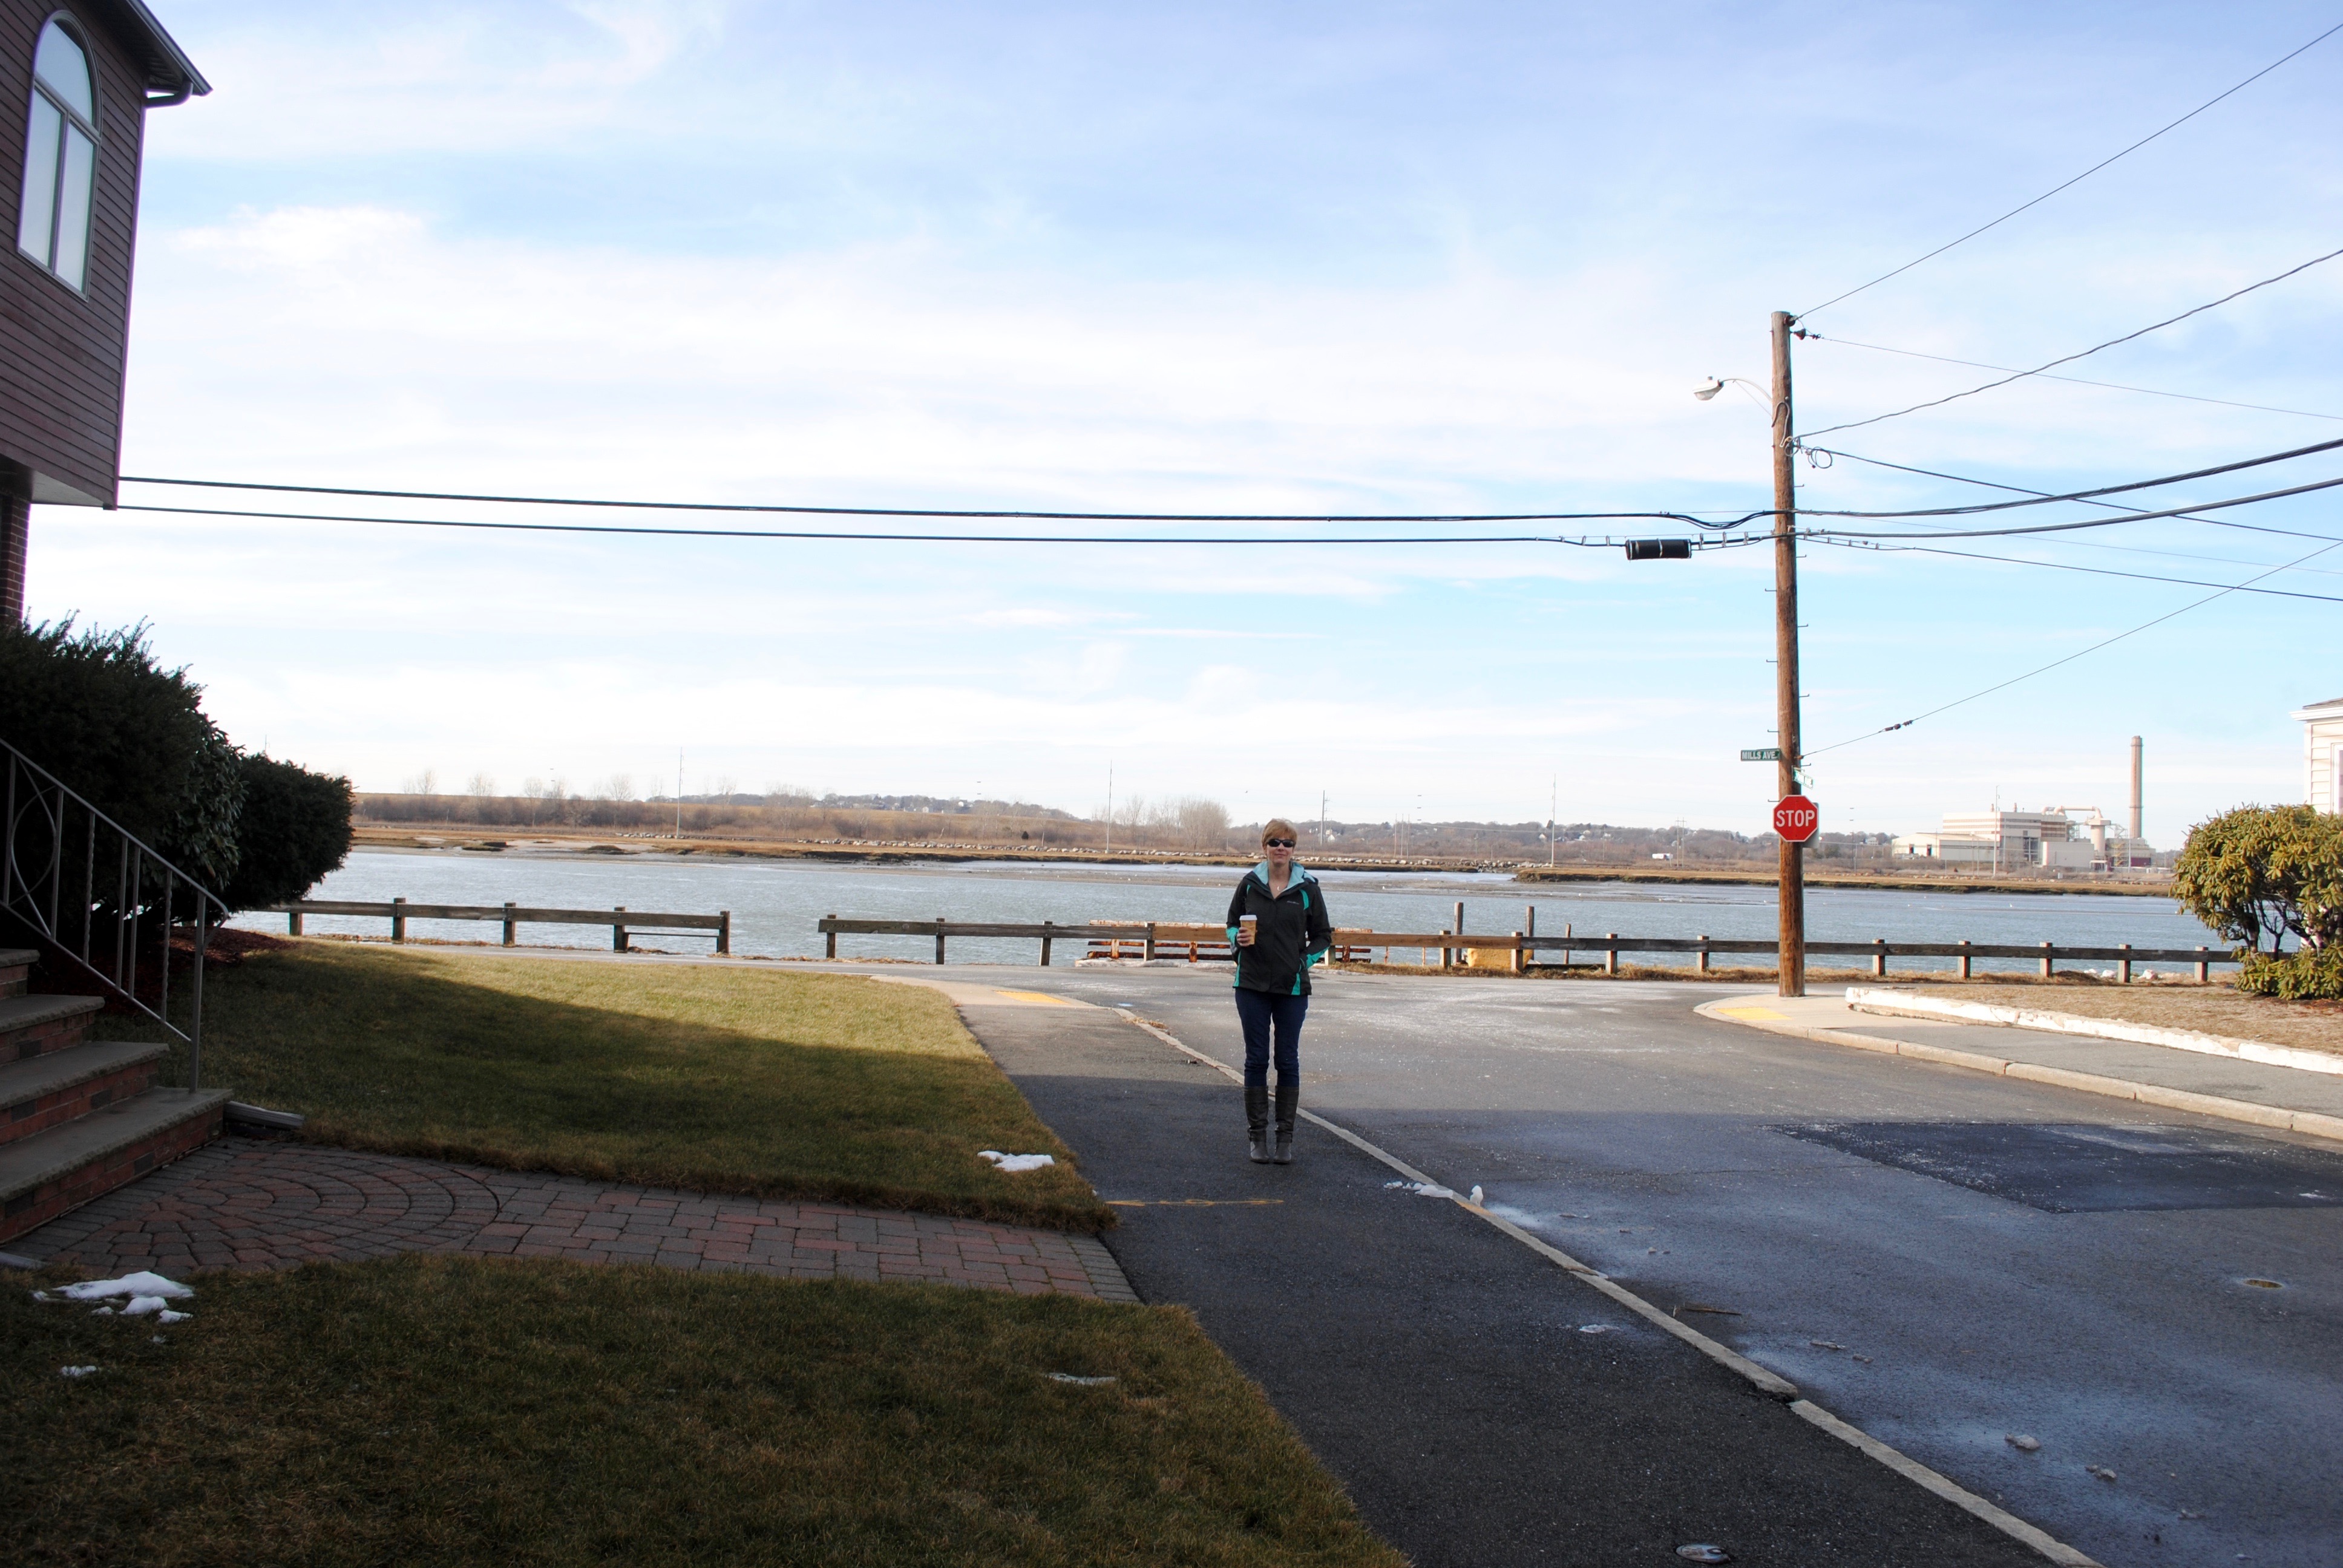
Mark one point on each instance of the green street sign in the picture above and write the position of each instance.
(1763, 754)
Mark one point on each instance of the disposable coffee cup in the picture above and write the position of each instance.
(1251, 924)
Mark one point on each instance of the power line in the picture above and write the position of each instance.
(999, 516)
(2095, 572)
(2128, 516)
(2086, 174)
(2054, 664)
(2036, 498)
(620, 528)
(2111, 506)
(2073, 380)
(2085, 354)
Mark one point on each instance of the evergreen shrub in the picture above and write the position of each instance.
(2261, 876)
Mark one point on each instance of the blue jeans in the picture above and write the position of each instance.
(1258, 1011)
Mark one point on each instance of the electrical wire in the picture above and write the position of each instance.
(2054, 664)
(1003, 515)
(2128, 516)
(2034, 498)
(2085, 354)
(2095, 572)
(2086, 174)
(2132, 514)
(2111, 506)
(1605, 543)
(2071, 380)
(2038, 498)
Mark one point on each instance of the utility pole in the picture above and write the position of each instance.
(1792, 961)
(678, 792)
(1553, 801)
(1110, 808)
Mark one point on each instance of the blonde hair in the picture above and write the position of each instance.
(1278, 827)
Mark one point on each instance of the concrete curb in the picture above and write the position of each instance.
(2309, 1122)
(1905, 1004)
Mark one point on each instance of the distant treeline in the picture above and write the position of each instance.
(1188, 823)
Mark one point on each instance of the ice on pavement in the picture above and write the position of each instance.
(136, 1285)
(1016, 1162)
(1425, 1189)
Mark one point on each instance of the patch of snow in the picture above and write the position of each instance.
(100, 1311)
(168, 1316)
(76, 1371)
(1081, 1382)
(1013, 1162)
(140, 1284)
(1422, 1189)
(140, 1306)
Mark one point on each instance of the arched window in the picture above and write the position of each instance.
(60, 158)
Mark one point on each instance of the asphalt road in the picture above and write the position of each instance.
(1941, 1258)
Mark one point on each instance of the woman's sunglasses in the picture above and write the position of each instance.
(1277, 843)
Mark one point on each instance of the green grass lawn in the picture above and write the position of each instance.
(430, 1410)
(718, 1078)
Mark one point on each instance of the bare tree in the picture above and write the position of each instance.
(1202, 824)
(482, 785)
(424, 783)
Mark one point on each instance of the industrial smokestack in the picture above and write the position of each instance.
(2136, 833)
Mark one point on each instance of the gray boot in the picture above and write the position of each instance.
(1289, 1101)
(1257, 1123)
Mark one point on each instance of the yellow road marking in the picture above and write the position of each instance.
(1041, 998)
(1762, 1014)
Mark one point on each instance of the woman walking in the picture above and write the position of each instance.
(1278, 925)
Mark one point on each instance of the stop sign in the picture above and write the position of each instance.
(1795, 819)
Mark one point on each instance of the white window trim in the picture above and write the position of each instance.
(74, 29)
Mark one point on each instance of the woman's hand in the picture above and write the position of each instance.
(1245, 934)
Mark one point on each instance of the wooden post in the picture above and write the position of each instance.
(1700, 958)
(1447, 953)
(723, 933)
(2123, 965)
(1045, 944)
(1879, 956)
(2046, 960)
(293, 922)
(512, 926)
(619, 929)
(2203, 970)
(1791, 965)
(1147, 948)
(399, 919)
(1521, 957)
(1464, 953)
(940, 939)
(1965, 960)
(1610, 957)
(831, 948)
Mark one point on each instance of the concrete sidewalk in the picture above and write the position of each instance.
(2249, 1092)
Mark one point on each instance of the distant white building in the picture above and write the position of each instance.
(2055, 839)
(2322, 754)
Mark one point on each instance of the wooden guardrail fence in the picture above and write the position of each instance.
(623, 922)
(1205, 942)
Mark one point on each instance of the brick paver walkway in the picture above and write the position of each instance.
(241, 1205)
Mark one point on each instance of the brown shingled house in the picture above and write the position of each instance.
(81, 79)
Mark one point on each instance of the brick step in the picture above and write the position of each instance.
(16, 970)
(44, 1176)
(59, 1086)
(35, 1025)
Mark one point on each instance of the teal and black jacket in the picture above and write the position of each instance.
(1294, 932)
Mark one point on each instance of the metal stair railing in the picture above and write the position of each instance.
(98, 927)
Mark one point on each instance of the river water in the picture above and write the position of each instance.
(775, 903)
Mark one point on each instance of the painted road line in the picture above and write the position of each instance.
(1764, 1380)
(1952, 1492)
(2311, 1123)
(1036, 998)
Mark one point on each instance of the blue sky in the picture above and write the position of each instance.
(1303, 257)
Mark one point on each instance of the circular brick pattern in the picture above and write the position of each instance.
(245, 1205)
